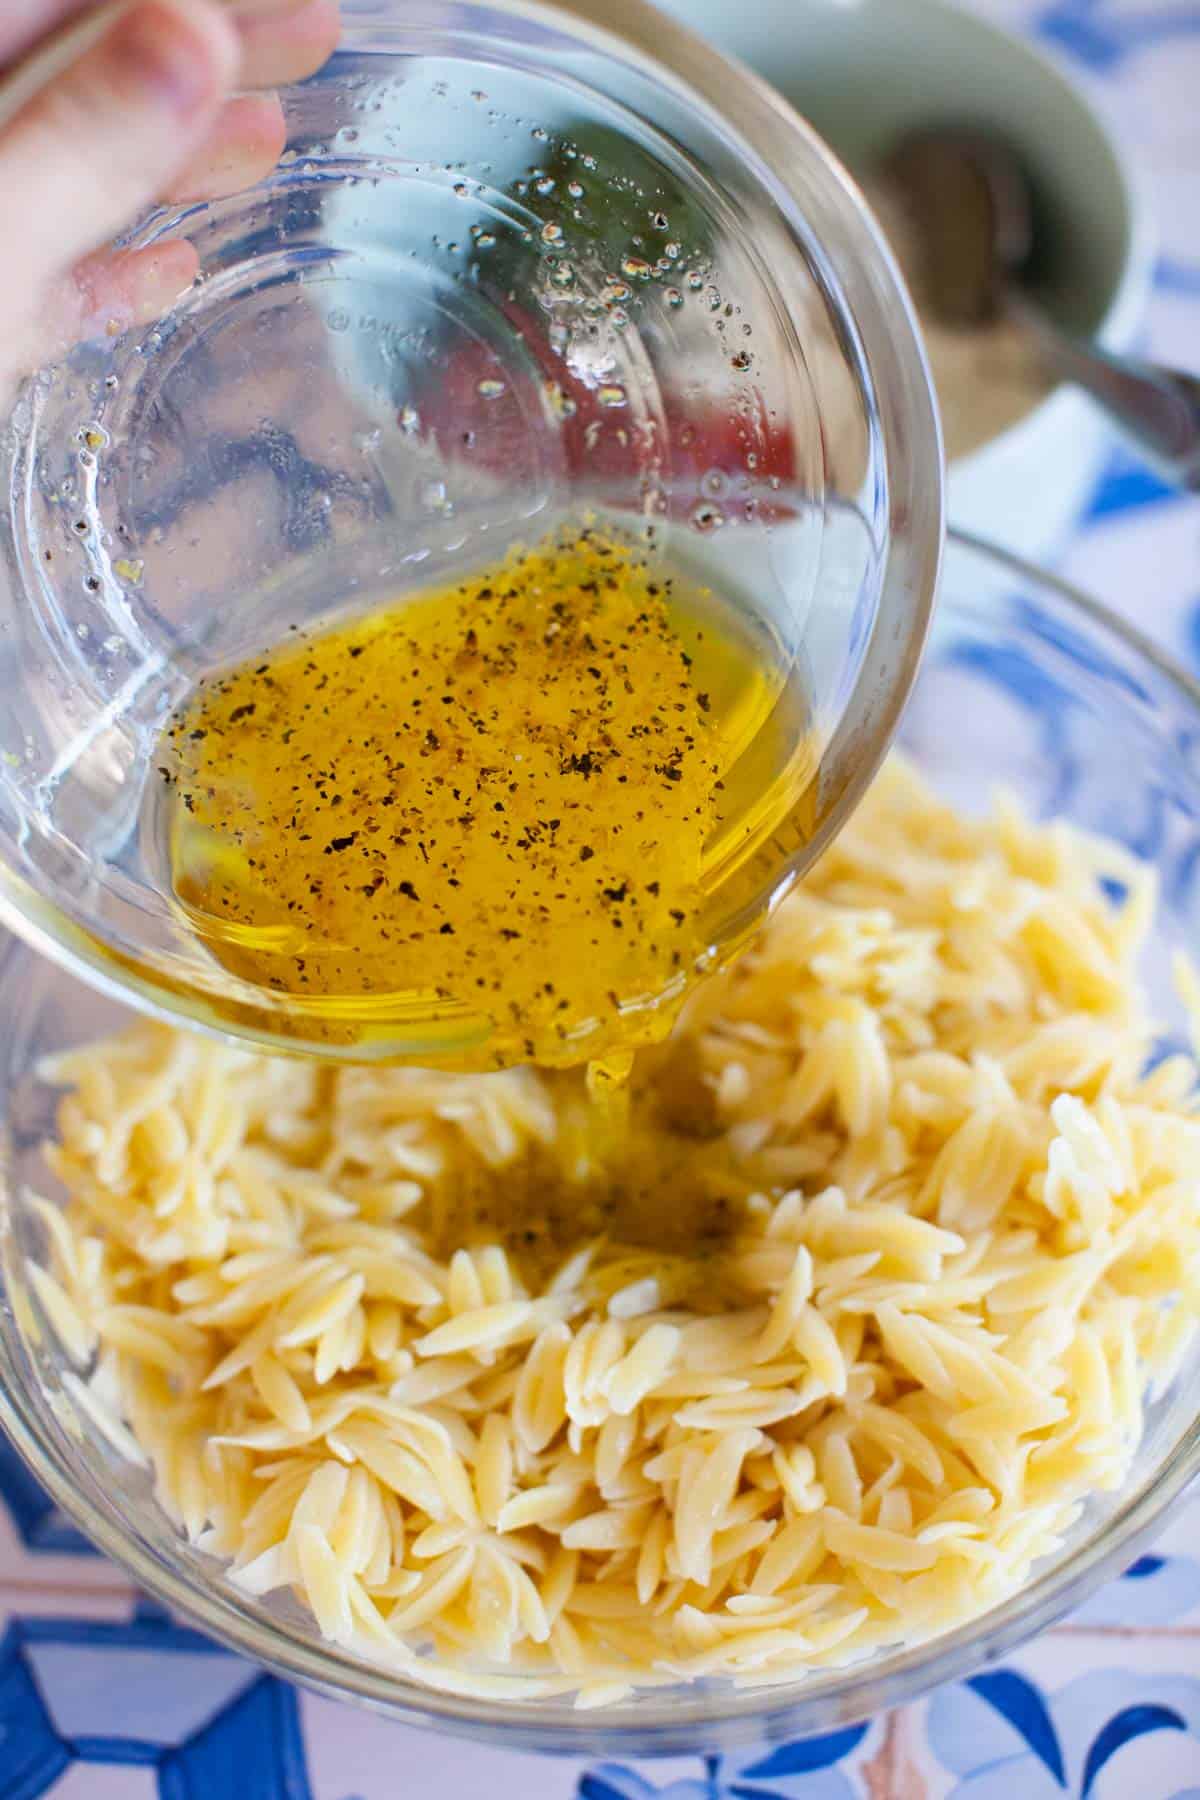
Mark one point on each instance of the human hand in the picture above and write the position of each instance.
(104, 110)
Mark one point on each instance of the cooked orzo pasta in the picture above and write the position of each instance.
(820, 1360)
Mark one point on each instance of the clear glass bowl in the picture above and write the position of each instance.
(512, 267)
(1026, 684)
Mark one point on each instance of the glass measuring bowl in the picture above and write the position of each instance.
(1038, 690)
(513, 269)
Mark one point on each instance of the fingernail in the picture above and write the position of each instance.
(169, 54)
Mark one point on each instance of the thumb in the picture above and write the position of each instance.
(92, 148)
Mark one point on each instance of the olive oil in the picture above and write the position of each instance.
(500, 801)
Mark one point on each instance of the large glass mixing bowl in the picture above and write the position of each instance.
(515, 266)
(1027, 685)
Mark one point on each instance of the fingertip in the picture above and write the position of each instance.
(186, 51)
(242, 148)
(111, 292)
(119, 290)
(159, 277)
(281, 49)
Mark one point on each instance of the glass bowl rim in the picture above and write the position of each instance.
(679, 1723)
(786, 152)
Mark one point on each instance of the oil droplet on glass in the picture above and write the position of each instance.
(673, 297)
(612, 395)
(410, 420)
(490, 388)
(546, 185)
(575, 189)
(637, 268)
(707, 517)
(742, 360)
(561, 404)
(551, 233)
(434, 497)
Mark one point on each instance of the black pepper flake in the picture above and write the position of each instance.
(245, 711)
(340, 843)
(586, 854)
(408, 890)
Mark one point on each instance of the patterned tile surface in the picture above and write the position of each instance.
(103, 1698)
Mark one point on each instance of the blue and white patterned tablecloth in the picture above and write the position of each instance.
(103, 1698)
